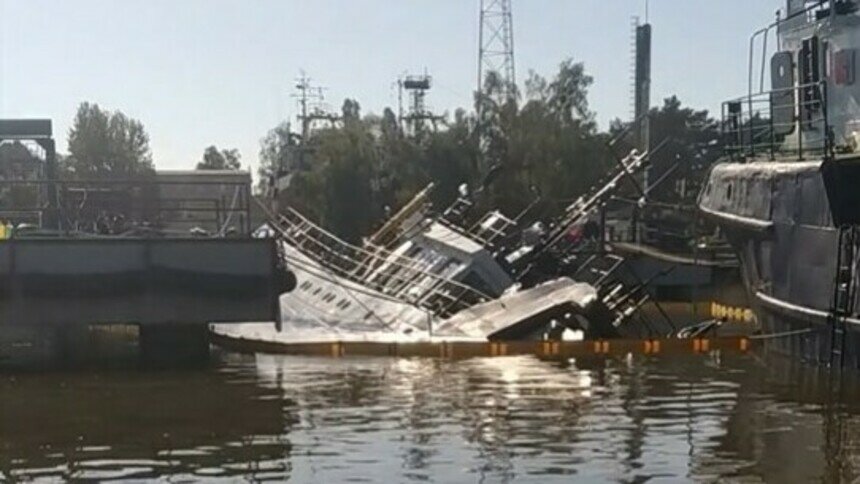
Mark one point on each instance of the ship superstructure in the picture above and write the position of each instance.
(786, 193)
(431, 274)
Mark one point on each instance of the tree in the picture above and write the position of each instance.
(17, 162)
(545, 142)
(213, 159)
(107, 144)
(693, 142)
(278, 154)
(351, 111)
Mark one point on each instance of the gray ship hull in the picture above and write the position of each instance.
(777, 217)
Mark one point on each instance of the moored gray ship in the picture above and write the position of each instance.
(786, 196)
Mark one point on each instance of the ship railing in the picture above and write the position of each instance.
(395, 226)
(624, 297)
(492, 227)
(586, 206)
(399, 276)
(790, 122)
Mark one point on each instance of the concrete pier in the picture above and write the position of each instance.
(54, 291)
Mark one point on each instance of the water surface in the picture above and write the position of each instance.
(516, 419)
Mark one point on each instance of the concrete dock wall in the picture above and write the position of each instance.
(137, 281)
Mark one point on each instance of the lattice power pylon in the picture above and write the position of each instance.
(414, 121)
(496, 44)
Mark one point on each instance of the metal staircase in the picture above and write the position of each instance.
(844, 292)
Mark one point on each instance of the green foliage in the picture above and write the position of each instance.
(546, 143)
(214, 159)
(692, 144)
(17, 162)
(106, 144)
(278, 155)
(548, 146)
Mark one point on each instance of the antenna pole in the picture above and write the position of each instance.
(311, 109)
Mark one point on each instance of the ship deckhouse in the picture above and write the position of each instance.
(813, 103)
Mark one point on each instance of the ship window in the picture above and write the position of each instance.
(306, 285)
(319, 289)
(729, 191)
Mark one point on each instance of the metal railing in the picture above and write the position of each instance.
(404, 278)
(588, 204)
(783, 122)
(145, 207)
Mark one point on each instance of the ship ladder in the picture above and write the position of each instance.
(843, 294)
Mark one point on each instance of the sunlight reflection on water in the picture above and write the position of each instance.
(394, 420)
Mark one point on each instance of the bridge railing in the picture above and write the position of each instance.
(165, 208)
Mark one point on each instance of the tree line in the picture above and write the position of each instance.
(540, 147)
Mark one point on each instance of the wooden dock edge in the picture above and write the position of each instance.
(462, 350)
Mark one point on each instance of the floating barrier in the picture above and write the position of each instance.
(478, 349)
(733, 314)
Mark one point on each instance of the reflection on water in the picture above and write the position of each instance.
(395, 420)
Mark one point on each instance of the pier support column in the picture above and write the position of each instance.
(170, 344)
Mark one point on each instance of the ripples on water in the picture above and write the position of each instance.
(395, 420)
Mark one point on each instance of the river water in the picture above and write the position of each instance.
(517, 419)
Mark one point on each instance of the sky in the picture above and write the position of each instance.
(204, 72)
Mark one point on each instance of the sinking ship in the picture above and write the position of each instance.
(431, 276)
(786, 195)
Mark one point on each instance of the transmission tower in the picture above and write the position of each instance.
(414, 121)
(496, 44)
